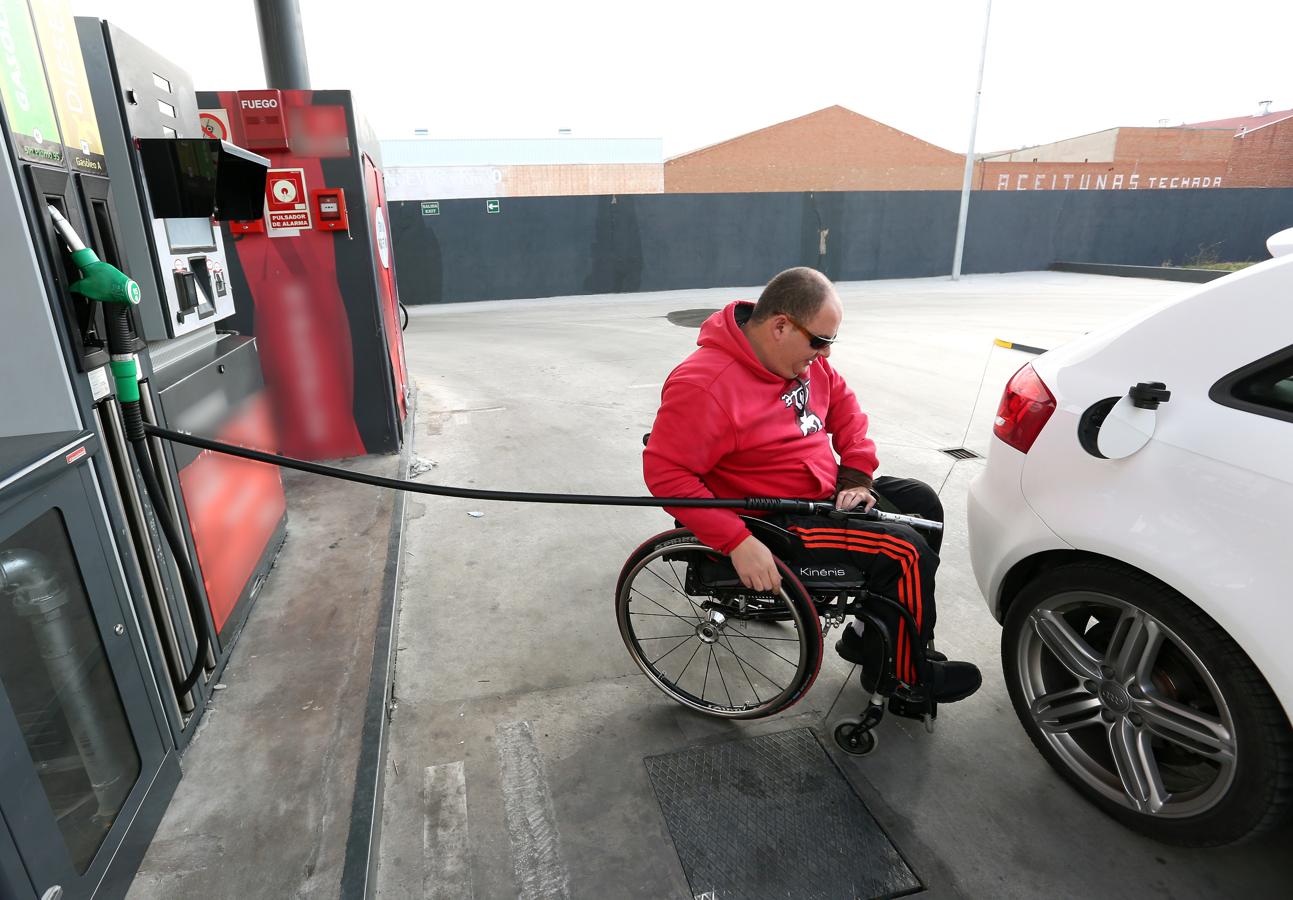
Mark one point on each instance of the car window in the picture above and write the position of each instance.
(1264, 387)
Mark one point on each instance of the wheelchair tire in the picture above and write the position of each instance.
(720, 665)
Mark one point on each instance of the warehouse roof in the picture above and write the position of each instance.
(1245, 123)
(521, 151)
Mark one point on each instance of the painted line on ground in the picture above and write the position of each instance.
(1011, 345)
(446, 853)
(531, 821)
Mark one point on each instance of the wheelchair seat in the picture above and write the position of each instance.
(822, 582)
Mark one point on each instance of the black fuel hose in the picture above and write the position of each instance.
(187, 578)
(121, 341)
(765, 504)
(755, 504)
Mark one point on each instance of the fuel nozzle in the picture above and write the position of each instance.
(105, 283)
(99, 281)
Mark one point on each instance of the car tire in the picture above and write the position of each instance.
(1177, 718)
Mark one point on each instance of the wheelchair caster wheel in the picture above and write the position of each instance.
(853, 740)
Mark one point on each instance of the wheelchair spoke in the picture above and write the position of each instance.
(769, 649)
(670, 650)
(743, 672)
(678, 680)
(678, 580)
(713, 610)
(682, 588)
(662, 606)
(677, 590)
(718, 665)
(743, 662)
(705, 684)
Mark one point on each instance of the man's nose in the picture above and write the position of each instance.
(825, 351)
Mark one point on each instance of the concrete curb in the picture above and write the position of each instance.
(359, 871)
(1161, 273)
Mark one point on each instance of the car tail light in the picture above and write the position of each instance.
(1025, 407)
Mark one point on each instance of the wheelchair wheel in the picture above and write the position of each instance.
(853, 740)
(675, 604)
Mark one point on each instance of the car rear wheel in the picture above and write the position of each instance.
(1146, 706)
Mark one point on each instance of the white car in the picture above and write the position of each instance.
(1137, 546)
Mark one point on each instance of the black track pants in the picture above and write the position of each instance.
(898, 561)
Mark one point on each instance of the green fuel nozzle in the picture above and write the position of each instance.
(105, 283)
(99, 281)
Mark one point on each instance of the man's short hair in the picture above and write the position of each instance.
(798, 293)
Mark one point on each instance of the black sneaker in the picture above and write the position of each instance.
(952, 681)
(850, 646)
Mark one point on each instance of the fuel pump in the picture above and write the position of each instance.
(173, 187)
(104, 283)
(91, 655)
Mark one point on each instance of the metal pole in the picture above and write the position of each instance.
(969, 154)
(282, 44)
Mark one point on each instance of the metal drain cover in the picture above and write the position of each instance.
(772, 816)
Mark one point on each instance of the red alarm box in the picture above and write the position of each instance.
(329, 206)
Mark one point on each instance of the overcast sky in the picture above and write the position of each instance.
(698, 72)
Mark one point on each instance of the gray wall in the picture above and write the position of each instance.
(555, 246)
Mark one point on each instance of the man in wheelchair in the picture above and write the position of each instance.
(758, 411)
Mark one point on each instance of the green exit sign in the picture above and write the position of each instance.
(431, 208)
(491, 206)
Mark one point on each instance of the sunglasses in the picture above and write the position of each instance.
(816, 341)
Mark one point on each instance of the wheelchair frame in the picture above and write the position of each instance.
(728, 600)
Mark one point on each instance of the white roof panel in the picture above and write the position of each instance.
(521, 151)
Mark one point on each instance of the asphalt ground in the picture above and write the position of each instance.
(516, 698)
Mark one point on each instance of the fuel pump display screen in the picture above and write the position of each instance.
(189, 234)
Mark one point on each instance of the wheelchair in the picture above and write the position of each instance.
(725, 650)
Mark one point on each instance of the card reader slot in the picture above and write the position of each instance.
(186, 293)
(202, 279)
(107, 237)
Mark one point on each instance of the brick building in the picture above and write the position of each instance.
(436, 169)
(1246, 151)
(833, 149)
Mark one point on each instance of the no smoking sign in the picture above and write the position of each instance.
(215, 124)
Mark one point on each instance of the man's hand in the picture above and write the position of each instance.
(851, 498)
(756, 565)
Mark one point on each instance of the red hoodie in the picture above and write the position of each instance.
(728, 427)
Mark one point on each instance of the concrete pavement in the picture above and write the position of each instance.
(509, 649)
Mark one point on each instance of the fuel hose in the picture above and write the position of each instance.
(121, 338)
(752, 504)
(104, 283)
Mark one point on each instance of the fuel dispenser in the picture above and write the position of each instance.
(318, 268)
(87, 750)
(202, 376)
(108, 639)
